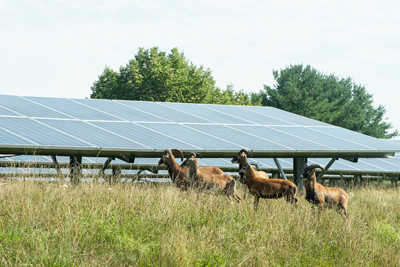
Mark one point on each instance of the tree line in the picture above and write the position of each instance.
(154, 75)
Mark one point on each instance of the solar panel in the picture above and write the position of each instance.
(283, 138)
(284, 116)
(24, 107)
(120, 110)
(163, 112)
(89, 133)
(114, 128)
(208, 114)
(38, 133)
(74, 109)
(143, 135)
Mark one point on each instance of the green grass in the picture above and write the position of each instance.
(46, 224)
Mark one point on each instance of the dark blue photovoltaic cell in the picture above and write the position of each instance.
(73, 109)
(241, 139)
(8, 138)
(28, 108)
(144, 136)
(292, 142)
(285, 116)
(208, 114)
(322, 138)
(195, 138)
(93, 135)
(164, 112)
(358, 138)
(118, 109)
(248, 116)
(39, 133)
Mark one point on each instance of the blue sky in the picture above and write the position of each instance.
(59, 48)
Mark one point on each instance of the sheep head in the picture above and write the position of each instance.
(243, 154)
(168, 157)
(246, 167)
(309, 171)
(192, 154)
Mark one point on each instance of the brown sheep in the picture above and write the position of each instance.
(206, 181)
(177, 173)
(241, 158)
(322, 196)
(268, 188)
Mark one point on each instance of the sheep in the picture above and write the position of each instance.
(177, 173)
(320, 195)
(206, 181)
(205, 169)
(241, 158)
(268, 188)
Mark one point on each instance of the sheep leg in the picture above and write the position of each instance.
(244, 192)
(343, 211)
(232, 191)
(320, 207)
(235, 196)
(293, 200)
(256, 199)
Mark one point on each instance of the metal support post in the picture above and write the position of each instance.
(75, 163)
(280, 168)
(298, 168)
(57, 166)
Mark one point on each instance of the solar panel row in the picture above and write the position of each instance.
(60, 125)
(382, 165)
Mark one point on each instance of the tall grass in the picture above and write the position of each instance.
(93, 224)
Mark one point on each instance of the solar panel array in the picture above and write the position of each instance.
(363, 166)
(92, 127)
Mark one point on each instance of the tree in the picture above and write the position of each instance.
(229, 97)
(154, 75)
(328, 98)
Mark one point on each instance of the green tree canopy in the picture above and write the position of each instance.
(154, 75)
(328, 98)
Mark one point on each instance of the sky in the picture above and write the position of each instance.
(59, 48)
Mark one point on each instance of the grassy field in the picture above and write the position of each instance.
(47, 224)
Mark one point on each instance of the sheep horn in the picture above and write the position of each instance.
(313, 166)
(180, 154)
(248, 153)
(254, 164)
(196, 155)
